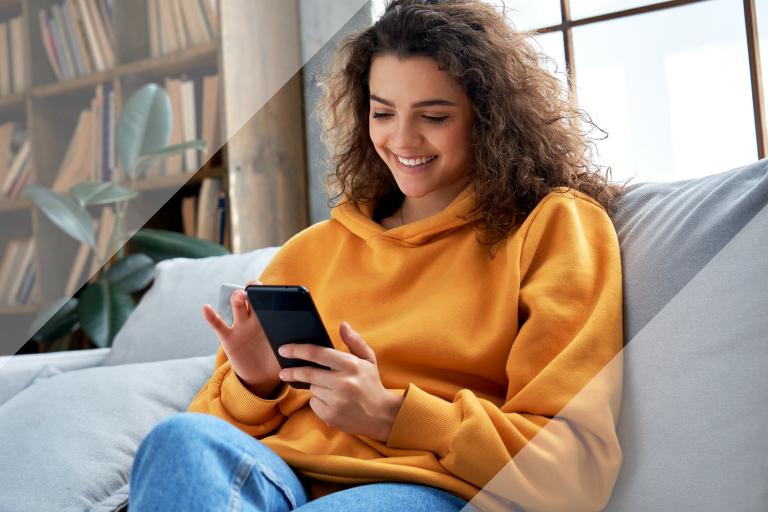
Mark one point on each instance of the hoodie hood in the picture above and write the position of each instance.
(358, 218)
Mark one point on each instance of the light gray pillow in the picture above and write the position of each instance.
(168, 322)
(693, 419)
(68, 441)
(668, 232)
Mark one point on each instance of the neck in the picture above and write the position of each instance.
(414, 209)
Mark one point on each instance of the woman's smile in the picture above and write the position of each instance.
(420, 123)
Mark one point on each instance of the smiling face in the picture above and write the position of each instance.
(420, 124)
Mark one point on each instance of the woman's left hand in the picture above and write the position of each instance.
(350, 396)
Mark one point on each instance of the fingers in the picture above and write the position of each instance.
(253, 282)
(214, 320)
(310, 375)
(356, 344)
(333, 359)
(240, 309)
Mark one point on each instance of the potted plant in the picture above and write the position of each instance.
(141, 141)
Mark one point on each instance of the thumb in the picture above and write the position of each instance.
(356, 344)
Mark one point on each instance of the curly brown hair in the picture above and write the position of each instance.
(526, 137)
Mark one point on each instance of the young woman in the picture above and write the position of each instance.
(473, 273)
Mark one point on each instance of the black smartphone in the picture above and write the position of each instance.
(288, 315)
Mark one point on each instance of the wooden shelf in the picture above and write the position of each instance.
(24, 309)
(19, 204)
(195, 56)
(14, 100)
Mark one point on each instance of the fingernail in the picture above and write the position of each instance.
(281, 350)
(282, 375)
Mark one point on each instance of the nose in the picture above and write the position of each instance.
(407, 135)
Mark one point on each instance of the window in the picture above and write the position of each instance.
(671, 84)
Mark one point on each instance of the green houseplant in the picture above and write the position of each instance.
(141, 141)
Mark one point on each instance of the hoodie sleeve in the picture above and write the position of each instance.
(564, 371)
(225, 396)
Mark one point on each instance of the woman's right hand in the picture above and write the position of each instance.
(246, 346)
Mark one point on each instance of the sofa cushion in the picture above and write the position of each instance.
(68, 441)
(669, 231)
(168, 322)
(693, 419)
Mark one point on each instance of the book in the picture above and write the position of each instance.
(97, 106)
(62, 44)
(80, 34)
(154, 44)
(90, 32)
(106, 225)
(101, 35)
(191, 20)
(210, 115)
(221, 219)
(188, 207)
(18, 272)
(178, 20)
(6, 131)
(48, 44)
(5, 61)
(106, 16)
(21, 181)
(189, 123)
(168, 32)
(76, 280)
(174, 164)
(7, 263)
(26, 284)
(209, 6)
(207, 207)
(17, 54)
(72, 36)
(111, 127)
(106, 164)
(16, 169)
(75, 167)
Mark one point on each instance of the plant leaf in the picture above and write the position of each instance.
(65, 213)
(134, 272)
(148, 160)
(59, 319)
(88, 192)
(144, 125)
(103, 309)
(161, 245)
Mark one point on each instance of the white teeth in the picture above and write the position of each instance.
(412, 162)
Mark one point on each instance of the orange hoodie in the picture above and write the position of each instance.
(486, 352)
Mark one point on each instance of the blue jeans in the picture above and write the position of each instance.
(192, 461)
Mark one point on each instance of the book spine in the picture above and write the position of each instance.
(106, 174)
(72, 33)
(5, 62)
(62, 41)
(82, 37)
(91, 34)
(26, 284)
(221, 215)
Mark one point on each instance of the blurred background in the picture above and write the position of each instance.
(677, 86)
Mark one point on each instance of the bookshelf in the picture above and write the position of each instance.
(50, 108)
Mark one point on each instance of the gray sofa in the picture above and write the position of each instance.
(693, 419)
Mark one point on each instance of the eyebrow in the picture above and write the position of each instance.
(420, 104)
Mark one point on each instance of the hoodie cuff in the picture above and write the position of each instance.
(245, 407)
(425, 422)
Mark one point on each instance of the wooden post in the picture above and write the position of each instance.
(263, 122)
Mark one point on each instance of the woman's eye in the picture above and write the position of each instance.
(378, 115)
(431, 119)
